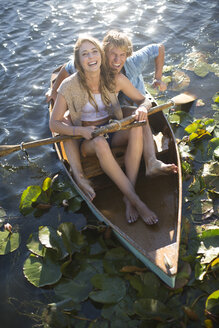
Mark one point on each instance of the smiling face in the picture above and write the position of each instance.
(116, 58)
(89, 56)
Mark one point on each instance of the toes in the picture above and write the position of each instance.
(151, 220)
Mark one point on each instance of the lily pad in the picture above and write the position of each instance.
(72, 239)
(180, 81)
(77, 290)
(212, 304)
(34, 244)
(9, 242)
(203, 207)
(51, 239)
(112, 289)
(41, 271)
(29, 196)
(149, 308)
(202, 69)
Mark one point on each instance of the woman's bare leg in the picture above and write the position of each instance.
(153, 165)
(109, 165)
(73, 155)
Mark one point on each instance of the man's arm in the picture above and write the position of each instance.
(52, 93)
(159, 62)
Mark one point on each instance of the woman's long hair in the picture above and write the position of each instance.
(107, 78)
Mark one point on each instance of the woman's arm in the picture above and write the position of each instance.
(58, 125)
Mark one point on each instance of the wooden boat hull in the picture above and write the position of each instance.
(156, 246)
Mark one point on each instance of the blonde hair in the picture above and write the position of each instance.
(107, 78)
(119, 40)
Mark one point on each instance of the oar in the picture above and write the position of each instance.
(180, 99)
(125, 123)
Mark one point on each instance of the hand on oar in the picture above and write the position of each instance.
(111, 127)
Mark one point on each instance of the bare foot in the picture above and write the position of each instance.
(131, 212)
(146, 214)
(157, 167)
(84, 184)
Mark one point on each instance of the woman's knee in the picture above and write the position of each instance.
(101, 145)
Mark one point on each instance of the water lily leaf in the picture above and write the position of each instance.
(180, 80)
(166, 79)
(47, 184)
(216, 97)
(54, 314)
(146, 284)
(167, 69)
(77, 290)
(193, 59)
(51, 239)
(211, 169)
(209, 250)
(149, 308)
(112, 289)
(203, 207)
(123, 309)
(215, 264)
(214, 68)
(116, 258)
(58, 197)
(216, 152)
(29, 196)
(75, 203)
(41, 271)
(200, 271)
(197, 185)
(72, 239)
(209, 323)
(9, 242)
(34, 244)
(202, 69)
(200, 103)
(179, 117)
(213, 147)
(212, 303)
(183, 275)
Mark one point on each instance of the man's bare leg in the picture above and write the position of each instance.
(153, 165)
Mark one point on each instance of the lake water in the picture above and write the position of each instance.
(36, 37)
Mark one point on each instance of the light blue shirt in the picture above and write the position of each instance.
(134, 65)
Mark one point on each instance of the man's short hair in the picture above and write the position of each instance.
(118, 39)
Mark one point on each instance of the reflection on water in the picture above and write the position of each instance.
(36, 37)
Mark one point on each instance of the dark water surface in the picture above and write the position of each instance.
(37, 36)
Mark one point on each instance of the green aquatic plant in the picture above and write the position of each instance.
(53, 192)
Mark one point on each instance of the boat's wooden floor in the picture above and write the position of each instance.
(152, 241)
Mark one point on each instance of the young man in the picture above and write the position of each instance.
(118, 50)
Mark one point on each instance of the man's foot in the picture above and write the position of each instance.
(157, 167)
(84, 184)
(146, 214)
(131, 212)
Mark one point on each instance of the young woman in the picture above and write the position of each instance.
(90, 95)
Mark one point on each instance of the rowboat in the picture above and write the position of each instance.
(157, 246)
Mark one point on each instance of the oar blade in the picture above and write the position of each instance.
(184, 98)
